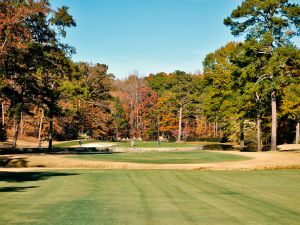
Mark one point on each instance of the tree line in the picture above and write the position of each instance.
(248, 92)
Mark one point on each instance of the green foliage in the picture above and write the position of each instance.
(269, 26)
(249, 131)
(62, 19)
(175, 90)
(120, 122)
(278, 19)
(221, 96)
(36, 73)
(290, 102)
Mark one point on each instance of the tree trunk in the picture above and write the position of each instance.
(50, 137)
(117, 133)
(2, 112)
(185, 134)
(274, 123)
(205, 128)
(297, 133)
(16, 131)
(137, 123)
(180, 124)
(158, 134)
(40, 128)
(242, 135)
(21, 125)
(258, 135)
(214, 129)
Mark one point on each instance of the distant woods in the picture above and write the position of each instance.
(248, 92)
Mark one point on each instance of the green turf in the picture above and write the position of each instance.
(189, 157)
(67, 144)
(111, 197)
(151, 144)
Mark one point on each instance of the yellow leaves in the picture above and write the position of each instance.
(291, 101)
(168, 123)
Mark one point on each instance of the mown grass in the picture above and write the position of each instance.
(67, 144)
(186, 157)
(138, 144)
(150, 197)
(152, 144)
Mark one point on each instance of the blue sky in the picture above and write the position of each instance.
(148, 36)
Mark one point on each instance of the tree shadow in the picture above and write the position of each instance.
(6, 161)
(66, 150)
(30, 176)
(16, 189)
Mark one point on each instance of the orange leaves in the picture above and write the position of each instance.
(168, 123)
(14, 29)
(138, 100)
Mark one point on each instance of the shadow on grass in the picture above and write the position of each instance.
(30, 176)
(16, 189)
(9, 151)
(6, 161)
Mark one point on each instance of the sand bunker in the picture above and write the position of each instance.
(97, 145)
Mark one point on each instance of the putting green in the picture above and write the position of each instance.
(109, 197)
(189, 157)
(151, 144)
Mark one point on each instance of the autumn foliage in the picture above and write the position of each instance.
(45, 95)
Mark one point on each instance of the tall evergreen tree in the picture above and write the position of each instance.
(272, 22)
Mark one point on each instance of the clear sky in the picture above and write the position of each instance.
(148, 36)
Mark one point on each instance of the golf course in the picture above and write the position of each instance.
(150, 197)
(151, 187)
(150, 112)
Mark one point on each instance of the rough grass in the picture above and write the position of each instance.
(189, 157)
(150, 197)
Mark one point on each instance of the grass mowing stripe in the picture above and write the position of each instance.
(60, 201)
(188, 198)
(149, 197)
(257, 192)
(248, 199)
(223, 201)
(244, 204)
(211, 203)
(262, 197)
(42, 195)
(143, 198)
(173, 200)
(164, 210)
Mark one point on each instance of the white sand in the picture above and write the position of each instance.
(97, 145)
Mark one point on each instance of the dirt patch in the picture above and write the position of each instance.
(259, 161)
